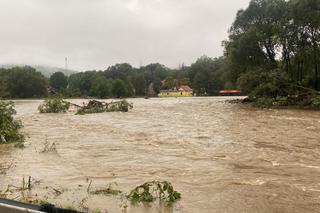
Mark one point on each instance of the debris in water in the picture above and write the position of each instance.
(95, 106)
(150, 191)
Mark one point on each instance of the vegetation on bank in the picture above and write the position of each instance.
(273, 52)
(9, 127)
(149, 192)
(117, 81)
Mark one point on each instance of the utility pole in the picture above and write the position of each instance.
(66, 63)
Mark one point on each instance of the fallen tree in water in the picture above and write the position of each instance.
(95, 106)
(58, 105)
(147, 192)
(9, 127)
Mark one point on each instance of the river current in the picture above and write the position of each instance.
(221, 157)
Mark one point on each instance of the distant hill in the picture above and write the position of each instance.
(45, 70)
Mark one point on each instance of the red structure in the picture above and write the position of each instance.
(230, 92)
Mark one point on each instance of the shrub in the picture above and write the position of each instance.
(54, 105)
(150, 191)
(264, 102)
(264, 84)
(9, 127)
(315, 101)
(122, 106)
(98, 107)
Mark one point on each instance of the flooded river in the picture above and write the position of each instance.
(222, 157)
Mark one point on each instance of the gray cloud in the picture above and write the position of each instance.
(94, 34)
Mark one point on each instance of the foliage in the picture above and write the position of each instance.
(315, 101)
(150, 191)
(206, 75)
(120, 80)
(58, 81)
(101, 87)
(273, 51)
(122, 106)
(54, 105)
(24, 82)
(94, 106)
(107, 191)
(9, 127)
(259, 83)
(3, 87)
(119, 88)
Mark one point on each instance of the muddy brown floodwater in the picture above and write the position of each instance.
(222, 157)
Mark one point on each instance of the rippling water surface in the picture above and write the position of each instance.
(222, 157)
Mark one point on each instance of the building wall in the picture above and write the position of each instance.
(175, 94)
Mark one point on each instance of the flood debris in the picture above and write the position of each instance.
(58, 105)
(109, 190)
(94, 106)
(151, 191)
(54, 105)
(26, 185)
(147, 192)
(49, 147)
(9, 127)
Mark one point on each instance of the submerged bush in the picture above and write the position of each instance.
(150, 191)
(54, 105)
(122, 106)
(9, 127)
(98, 107)
(315, 101)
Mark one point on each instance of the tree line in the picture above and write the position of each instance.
(120, 80)
(272, 54)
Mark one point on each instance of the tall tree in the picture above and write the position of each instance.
(119, 88)
(26, 82)
(58, 81)
(206, 75)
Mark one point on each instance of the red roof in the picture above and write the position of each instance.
(230, 91)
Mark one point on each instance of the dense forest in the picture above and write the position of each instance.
(272, 55)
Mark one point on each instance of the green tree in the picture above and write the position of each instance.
(58, 81)
(119, 88)
(206, 75)
(101, 87)
(139, 84)
(276, 35)
(82, 82)
(9, 127)
(3, 86)
(26, 82)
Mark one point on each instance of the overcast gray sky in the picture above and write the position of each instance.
(94, 34)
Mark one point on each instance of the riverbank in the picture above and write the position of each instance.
(276, 104)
